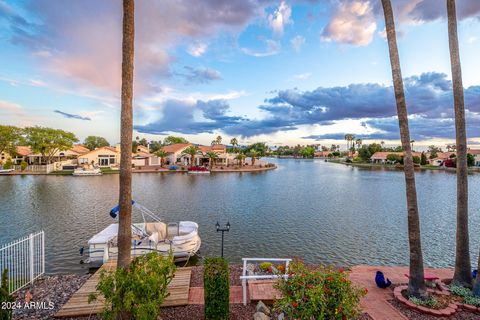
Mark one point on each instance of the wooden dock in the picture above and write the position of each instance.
(78, 305)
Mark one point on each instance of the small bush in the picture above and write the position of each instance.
(217, 289)
(322, 293)
(5, 314)
(430, 302)
(8, 165)
(138, 291)
(466, 294)
(23, 165)
(265, 266)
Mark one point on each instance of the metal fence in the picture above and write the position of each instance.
(24, 259)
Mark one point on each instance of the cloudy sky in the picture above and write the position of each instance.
(283, 72)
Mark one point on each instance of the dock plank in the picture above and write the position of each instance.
(78, 306)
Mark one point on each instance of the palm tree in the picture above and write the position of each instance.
(416, 285)
(192, 151)
(253, 154)
(125, 194)
(359, 143)
(462, 274)
(241, 158)
(350, 138)
(382, 143)
(162, 154)
(411, 143)
(218, 140)
(234, 143)
(211, 157)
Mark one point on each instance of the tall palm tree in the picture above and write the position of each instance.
(126, 129)
(416, 285)
(411, 143)
(192, 151)
(234, 143)
(359, 143)
(241, 158)
(462, 274)
(253, 154)
(218, 140)
(162, 154)
(211, 157)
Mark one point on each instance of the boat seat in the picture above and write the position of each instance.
(172, 230)
(158, 227)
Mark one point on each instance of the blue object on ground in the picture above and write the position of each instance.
(474, 273)
(380, 280)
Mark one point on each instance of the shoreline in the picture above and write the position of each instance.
(245, 169)
(58, 289)
(400, 168)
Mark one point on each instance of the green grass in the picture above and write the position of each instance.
(62, 173)
(108, 170)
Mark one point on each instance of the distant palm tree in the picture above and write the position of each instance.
(382, 143)
(416, 285)
(162, 154)
(234, 143)
(462, 274)
(218, 140)
(126, 129)
(359, 143)
(192, 151)
(253, 154)
(411, 143)
(211, 157)
(350, 138)
(241, 158)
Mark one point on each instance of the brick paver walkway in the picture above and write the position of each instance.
(375, 302)
(196, 295)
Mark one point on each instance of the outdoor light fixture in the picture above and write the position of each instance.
(227, 229)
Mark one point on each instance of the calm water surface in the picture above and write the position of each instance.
(323, 212)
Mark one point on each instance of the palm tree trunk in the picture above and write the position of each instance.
(416, 285)
(125, 198)
(463, 270)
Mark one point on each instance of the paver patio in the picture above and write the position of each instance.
(375, 302)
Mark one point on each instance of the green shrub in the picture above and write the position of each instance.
(266, 266)
(8, 165)
(321, 293)
(23, 165)
(466, 294)
(416, 159)
(459, 290)
(216, 286)
(430, 302)
(5, 314)
(137, 291)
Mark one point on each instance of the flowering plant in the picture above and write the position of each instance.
(320, 293)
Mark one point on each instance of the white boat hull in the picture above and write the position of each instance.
(82, 172)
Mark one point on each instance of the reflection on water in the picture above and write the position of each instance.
(320, 211)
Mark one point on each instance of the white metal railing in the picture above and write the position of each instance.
(24, 259)
(244, 277)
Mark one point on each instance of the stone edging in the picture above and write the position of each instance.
(448, 311)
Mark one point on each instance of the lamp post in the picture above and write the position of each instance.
(226, 228)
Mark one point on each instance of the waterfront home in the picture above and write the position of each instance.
(25, 153)
(175, 155)
(381, 157)
(101, 157)
(322, 154)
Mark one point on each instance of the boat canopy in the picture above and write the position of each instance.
(144, 211)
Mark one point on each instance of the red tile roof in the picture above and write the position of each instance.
(176, 147)
(24, 150)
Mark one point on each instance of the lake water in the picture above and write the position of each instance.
(322, 212)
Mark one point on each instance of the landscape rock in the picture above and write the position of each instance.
(261, 307)
(260, 316)
(281, 316)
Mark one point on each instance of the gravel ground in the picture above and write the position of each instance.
(54, 289)
(415, 315)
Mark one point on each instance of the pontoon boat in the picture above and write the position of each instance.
(180, 238)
